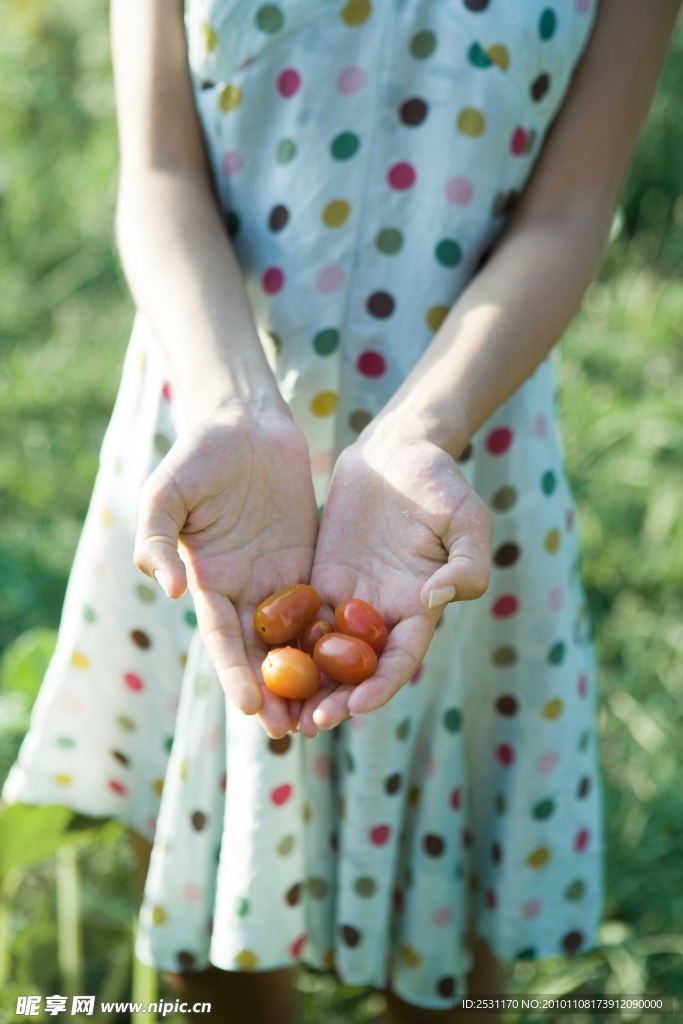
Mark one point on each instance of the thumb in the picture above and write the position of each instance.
(465, 576)
(161, 516)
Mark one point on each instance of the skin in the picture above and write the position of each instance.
(233, 501)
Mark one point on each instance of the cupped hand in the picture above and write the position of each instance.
(230, 512)
(403, 530)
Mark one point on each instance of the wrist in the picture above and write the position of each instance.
(226, 394)
(403, 424)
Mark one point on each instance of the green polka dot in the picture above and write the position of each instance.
(478, 56)
(168, 743)
(548, 482)
(286, 151)
(585, 739)
(325, 342)
(145, 593)
(233, 223)
(452, 720)
(190, 618)
(575, 891)
(556, 653)
(365, 887)
(423, 44)
(270, 18)
(547, 23)
(162, 444)
(66, 742)
(285, 846)
(389, 241)
(344, 145)
(448, 252)
(359, 420)
(241, 906)
(526, 954)
(500, 803)
(89, 613)
(201, 684)
(350, 763)
(544, 809)
(402, 729)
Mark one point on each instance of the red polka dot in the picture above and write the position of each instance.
(499, 441)
(117, 787)
(288, 82)
(418, 675)
(167, 390)
(505, 754)
(518, 142)
(222, 782)
(582, 840)
(380, 834)
(505, 606)
(531, 909)
(297, 946)
(272, 280)
(490, 899)
(582, 686)
(213, 738)
(371, 364)
(281, 794)
(402, 175)
(455, 798)
(133, 682)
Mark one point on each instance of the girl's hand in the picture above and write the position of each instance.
(234, 496)
(403, 530)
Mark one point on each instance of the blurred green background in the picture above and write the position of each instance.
(65, 315)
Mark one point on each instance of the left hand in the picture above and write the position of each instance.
(401, 523)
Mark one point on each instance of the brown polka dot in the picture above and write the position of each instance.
(507, 705)
(186, 961)
(280, 746)
(504, 499)
(467, 453)
(504, 656)
(433, 845)
(365, 887)
(359, 420)
(198, 820)
(121, 758)
(350, 935)
(413, 111)
(414, 796)
(584, 787)
(539, 87)
(317, 888)
(293, 895)
(341, 808)
(140, 639)
(506, 555)
(381, 305)
(496, 853)
(393, 783)
(279, 216)
(572, 941)
(446, 987)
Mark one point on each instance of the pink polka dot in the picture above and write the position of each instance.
(556, 599)
(351, 79)
(583, 6)
(213, 738)
(570, 520)
(505, 754)
(223, 782)
(540, 426)
(272, 280)
(192, 893)
(167, 390)
(288, 82)
(371, 364)
(330, 279)
(499, 440)
(442, 917)
(297, 947)
(505, 606)
(98, 568)
(133, 682)
(582, 686)
(531, 909)
(490, 899)
(357, 723)
(232, 163)
(117, 787)
(418, 675)
(401, 176)
(247, 62)
(71, 704)
(455, 798)
(379, 835)
(281, 794)
(582, 840)
(321, 463)
(547, 763)
(459, 191)
(430, 767)
(321, 766)
(151, 824)
(518, 142)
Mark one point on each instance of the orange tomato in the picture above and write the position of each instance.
(346, 659)
(284, 614)
(360, 619)
(289, 672)
(312, 634)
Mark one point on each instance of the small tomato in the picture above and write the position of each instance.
(312, 634)
(360, 619)
(346, 659)
(284, 614)
(289, 672)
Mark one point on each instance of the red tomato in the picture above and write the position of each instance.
(312, 634)
(358, 618)
(346, 659)
(289, 672)
(285, 613)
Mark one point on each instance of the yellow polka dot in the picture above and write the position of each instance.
(141, 361)
(246, 960)
(471, 122)
(159, 915)
(157, 787)
(538, 857)
(553, 709)
(328, 959)
(210, 37)
(106, 516)
(500, 55)
(182, 658)
(435, 316)
(336, 213)
(229, 98)
(474, 883)
(341, 808)
(307, 813)
(324, 403)
(182, 770)
(79, 660)
(552, 541)
(414, 796)
(355, 12)
(63, 780)
(410, 956)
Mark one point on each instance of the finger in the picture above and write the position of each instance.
(403, 653)
(333, 708)
(273, 714)
(222, 635)
(465, 576)
(294, 707)
(308, 726)
(161, 516)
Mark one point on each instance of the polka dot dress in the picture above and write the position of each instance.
(366, 155)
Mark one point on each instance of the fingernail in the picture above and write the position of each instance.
(357, 714)
(161, 579)
(440, 595)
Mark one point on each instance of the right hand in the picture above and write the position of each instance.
(230, 512)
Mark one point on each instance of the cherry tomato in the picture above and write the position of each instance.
(285, 613)
(346, 659)
(312, 634)
(289, 672)
(358, 618)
